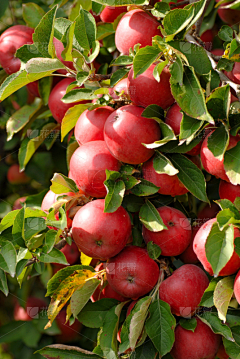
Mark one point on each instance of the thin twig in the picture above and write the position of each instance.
(200, 20)
(98, 77)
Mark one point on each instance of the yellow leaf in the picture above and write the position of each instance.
(65, 290)
(85, 260)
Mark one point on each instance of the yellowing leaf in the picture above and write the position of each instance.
(85, 260)
(65, 290)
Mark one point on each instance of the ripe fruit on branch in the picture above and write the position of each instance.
(230, 16)
(189, 256)
(202, 343)
(229, 191)
(213, 165)
(221, 354)
(59, 49)
(69, 332)
(145, 90)
(199, 248)
(107, 292)
(135, 27)
(207, 213)
(184, 289)
(71, 253)
(18, 204)
(90, 124)
(14, 175)
(173, 118)
(169, 185)
(98, 234)
(237, 287)
(125, 132)
(109, 13)
(57, 107)
(11, 40)
(174, 240)
(132, 273)
(88, 165)
(30, 311)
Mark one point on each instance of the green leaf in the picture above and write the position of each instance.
(191, 176)
(144, 188)
(32, 14)
(81, 296)
(20, 118)
(118, 75)
(78, 95)
(226, 217)
(82, 77)
(71, 116)
(219, 247)
(218, 103)
(198, 7)
(160, 326)
(8, 220)
(40, 65)
(29, 146)
(160, 9)
(144, 58)
(35, 200)
(18, 228)
(85, 29)
(66, 352)
(130, 181)
(222, 296)
(158, 70)
(167, 135)
(63, 184)
(188, 324)
(115, 194)
(232, 349)
(162, 164)
(28, 52)
(218, 142)
(196, 56)
(237, 245)
(212, 320)
(234, 48)
(189, 94)
(189, 127)
(104, 30)
(53, 222)
(122, 61)
(8, 258)
(154, 250)
(55, 256)
(93, 314)
(153, 111)
(226, 204)
(121, 3)
(45, 88)
(177, 20)
(147, 350)
(225, 64)
(150, 217)
(207, 298)
(43, 34)
(3, 283)
(231, 164)
(50, 239)
(108, 337)
(226, 33)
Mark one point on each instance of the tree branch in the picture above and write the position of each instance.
(200, 20)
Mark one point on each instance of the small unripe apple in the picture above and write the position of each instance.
(11, 40)
(184, 289)
(202, 343)
(109, 13)
(14, 175)
(88, 166)
(136, 27)
(213, 165)
(169, 185)
(90, 125)
(229, 191)
(98, 234)
(132, 273)
(144, 90)
(125, 132)
(174, 240)
(199, 248)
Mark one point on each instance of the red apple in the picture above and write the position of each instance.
(184, 289)
(71, 253)
(173, 118)
(229, 191)
(174, 240)
(132, 273)
(107, 292)
(11, 40)
(58, 45)
(136, 27)
(199, 248)
(57, 107)
(109, 13)
(202, 343)
(30, 311)
(121, 86)
(237, 287)
(169, 185)
(145, 90)
(98, 234)
(125, 132)
(230, 16)
(14, 175)
(69, 332)
(189, 256)
(18, 204)
(208, 212)
(213, 165)
(90, 124)
(88, 165)
(221, 354)
(234, 75)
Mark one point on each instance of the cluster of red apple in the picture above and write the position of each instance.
(107, 138)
